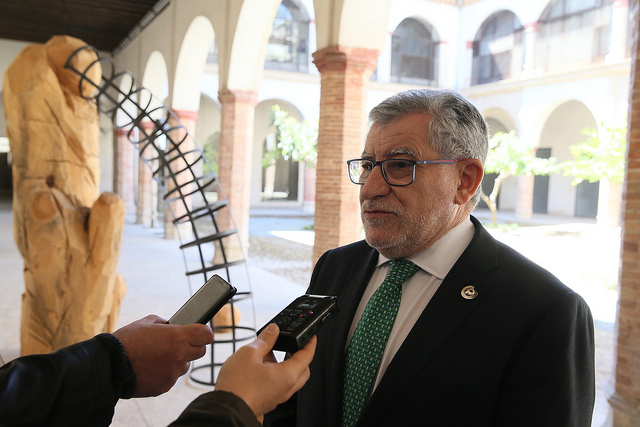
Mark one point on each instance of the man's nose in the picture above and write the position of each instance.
(375, 185)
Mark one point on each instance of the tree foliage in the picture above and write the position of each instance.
(602, 156)
(296, 140)
(511, 156)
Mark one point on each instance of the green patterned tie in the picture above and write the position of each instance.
(370, 338)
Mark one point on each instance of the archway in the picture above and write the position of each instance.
(563, 128)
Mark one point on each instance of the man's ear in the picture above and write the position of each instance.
(470, 176)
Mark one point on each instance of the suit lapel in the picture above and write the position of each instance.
(446, 311)
(356, 283)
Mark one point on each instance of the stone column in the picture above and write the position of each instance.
(344, 74)
(619, 26)
(145, 208)
(124, 169)
(384, 61)
(467, 64)
(181, 134)
(625, 398)
(236, 142)
(530, 36)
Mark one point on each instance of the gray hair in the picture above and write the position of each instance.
(457, 130)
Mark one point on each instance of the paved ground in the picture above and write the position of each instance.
(278, 269)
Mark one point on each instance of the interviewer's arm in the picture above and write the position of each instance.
(250, 383)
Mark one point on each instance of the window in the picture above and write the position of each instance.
(497, 49)
(288, 47)
(414, 53)
(573, 33)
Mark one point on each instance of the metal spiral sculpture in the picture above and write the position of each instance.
(195, 198)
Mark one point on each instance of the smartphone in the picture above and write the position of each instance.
(302, 319)
(205, 303)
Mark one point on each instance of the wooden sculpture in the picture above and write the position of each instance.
(68, 234)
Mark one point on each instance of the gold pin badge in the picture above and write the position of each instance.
(468, 292)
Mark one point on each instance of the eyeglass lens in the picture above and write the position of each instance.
(398, 172)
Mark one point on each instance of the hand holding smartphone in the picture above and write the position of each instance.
(205, 303)
(301, 320)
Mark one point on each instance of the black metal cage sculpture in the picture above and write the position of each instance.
(190, 189)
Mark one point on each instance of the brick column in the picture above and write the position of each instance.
(344, 74)
(124, 169)
(236, 143)
(180, 135)
(625, 400)
(145, 208)
(309, 198)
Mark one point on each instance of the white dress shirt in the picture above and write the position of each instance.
(435, 263)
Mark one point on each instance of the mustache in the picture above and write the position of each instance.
(377, 205)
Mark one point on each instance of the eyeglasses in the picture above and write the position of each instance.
(396, 172)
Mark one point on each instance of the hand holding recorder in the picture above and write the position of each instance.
(253, 374)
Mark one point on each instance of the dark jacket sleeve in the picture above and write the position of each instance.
(219, 409)
(70, 386)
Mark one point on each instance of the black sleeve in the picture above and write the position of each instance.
(70, 386)
(219, 409)
(124, 379)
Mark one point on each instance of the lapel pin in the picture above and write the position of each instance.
(468, 292)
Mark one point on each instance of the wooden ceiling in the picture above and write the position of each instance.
(104, 24)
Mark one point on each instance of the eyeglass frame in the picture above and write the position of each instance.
(413, 167)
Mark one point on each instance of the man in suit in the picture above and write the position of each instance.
(482, 336)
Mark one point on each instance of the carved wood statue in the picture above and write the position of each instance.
(68, 234)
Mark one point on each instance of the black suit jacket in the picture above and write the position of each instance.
(519, 354)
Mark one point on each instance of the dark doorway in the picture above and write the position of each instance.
(587, 199)
(541, 185)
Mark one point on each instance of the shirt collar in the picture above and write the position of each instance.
(440, 257)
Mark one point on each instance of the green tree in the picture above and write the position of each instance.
(511, 156)
(601, 157)
(296, 140)
(210, 153)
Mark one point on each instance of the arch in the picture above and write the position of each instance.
(343, 23)
(288, 46)
(499, 120)
(475, 17)
(497, 48)
(246, 59)
(572, 34)
(192, 58)
(207, 132)
(129, 110)
(563, 128)
(156, 83)
(414, 53)
(500, 117)
(282, 174)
